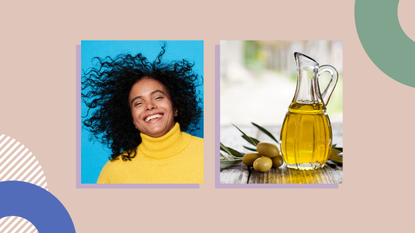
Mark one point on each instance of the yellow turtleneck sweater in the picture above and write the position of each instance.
(175, 158)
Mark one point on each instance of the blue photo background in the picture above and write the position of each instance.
(94, 155)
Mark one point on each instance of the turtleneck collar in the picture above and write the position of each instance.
(165, 146)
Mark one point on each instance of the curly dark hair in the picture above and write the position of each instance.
(107, 87)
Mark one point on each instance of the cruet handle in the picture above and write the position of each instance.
(332, 84)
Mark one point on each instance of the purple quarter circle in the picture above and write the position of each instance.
(78, 144)
(217, 145)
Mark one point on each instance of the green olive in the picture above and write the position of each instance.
(277, 161)
(262, 164)
(267, 149)
(249, 158)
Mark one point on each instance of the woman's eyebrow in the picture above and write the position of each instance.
(137, 97)
(157, 91)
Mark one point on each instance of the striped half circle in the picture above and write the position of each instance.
(18, 163)
(14, 224)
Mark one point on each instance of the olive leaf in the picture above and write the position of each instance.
(248, 148)
(227, 162)
(230, 162)
(231, 151)
(249, 139)
(224, 148)
(331, 164)
(336, 158)
(334, 162)
(335, 151)
(266, 132)
(336, 155)
(235, 152)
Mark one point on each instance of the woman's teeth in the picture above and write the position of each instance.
(152, 117)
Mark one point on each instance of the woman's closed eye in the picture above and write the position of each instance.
(137, 104)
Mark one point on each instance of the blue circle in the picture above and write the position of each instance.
(36, 205)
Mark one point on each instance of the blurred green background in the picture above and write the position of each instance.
(258, 79)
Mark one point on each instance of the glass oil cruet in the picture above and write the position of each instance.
(306, 136)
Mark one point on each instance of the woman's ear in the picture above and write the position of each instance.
(175, 112)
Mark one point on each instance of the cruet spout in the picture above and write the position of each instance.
(308, 89)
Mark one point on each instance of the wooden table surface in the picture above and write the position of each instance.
(241, 174)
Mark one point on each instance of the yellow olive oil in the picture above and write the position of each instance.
(306, 136)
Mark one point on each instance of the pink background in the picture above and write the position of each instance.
(38, 103)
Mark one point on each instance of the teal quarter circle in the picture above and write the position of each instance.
(383, 39)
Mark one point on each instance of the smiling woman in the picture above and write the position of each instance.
(141, 110)
(151, 108)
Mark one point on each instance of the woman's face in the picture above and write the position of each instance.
(151, 108)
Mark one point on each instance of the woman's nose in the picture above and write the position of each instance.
(150, 105)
